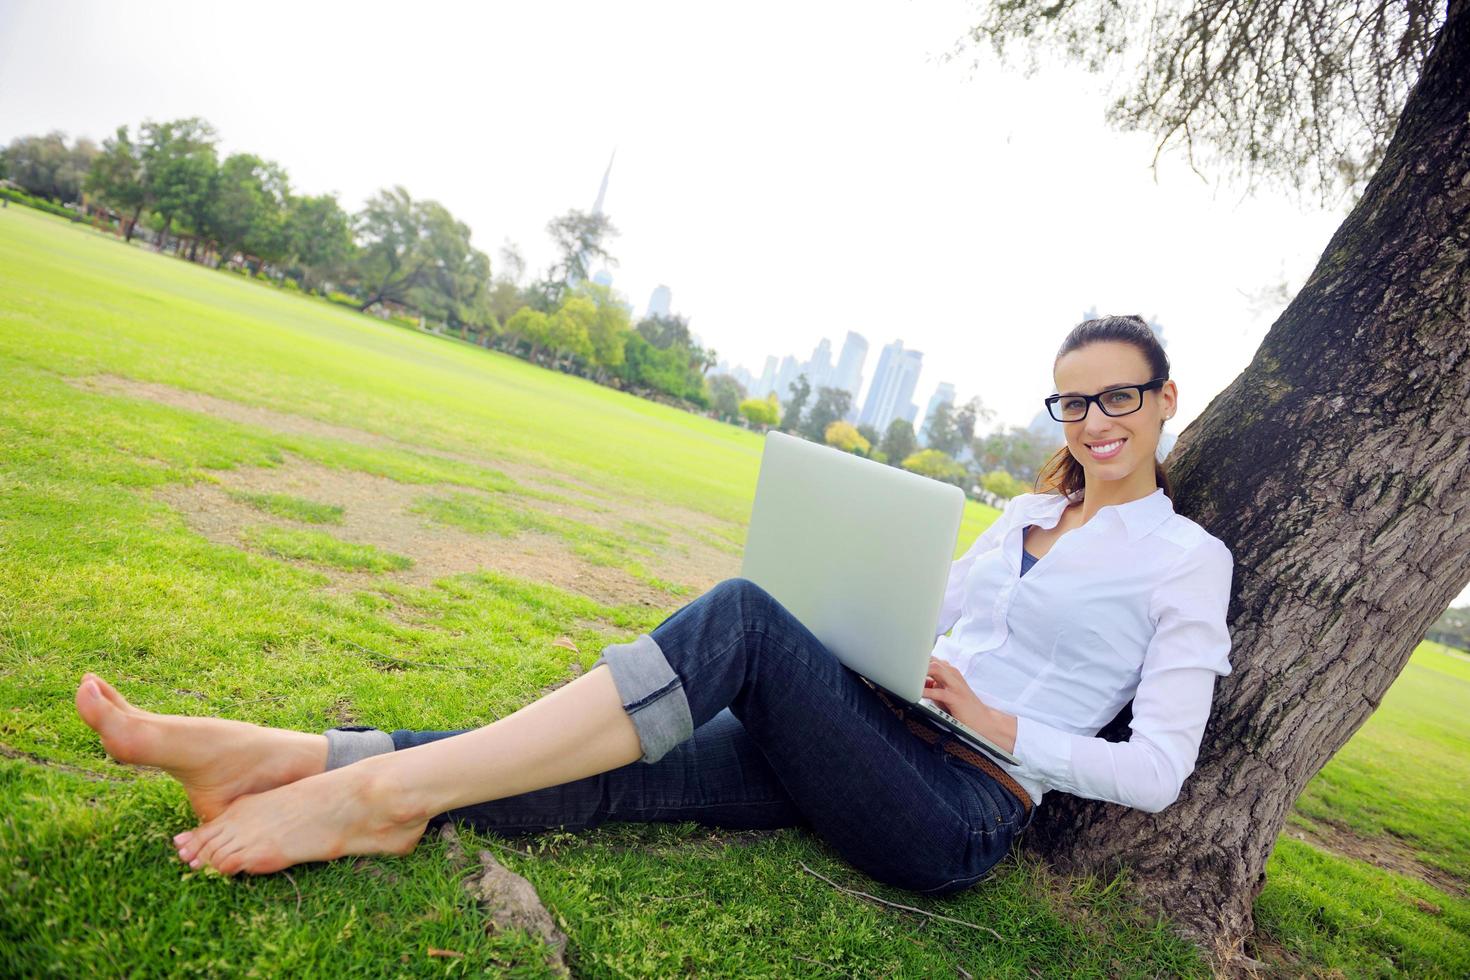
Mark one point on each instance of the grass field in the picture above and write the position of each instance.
(235, 501)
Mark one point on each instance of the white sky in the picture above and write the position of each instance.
(791, 171)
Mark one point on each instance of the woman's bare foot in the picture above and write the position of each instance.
(216, 759)
(352, 810)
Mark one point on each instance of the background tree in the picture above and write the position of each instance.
(899, 442)
(389, 261)
(318, 236)
(1452, 628)
(940, 432)
(800, 391)
(937, 466)
(581, 239)
(118, 179)
(609, 330)
(871, 434)
(726, 394)
(512, 262)
(1003, 485)
(832, 404)
(567, 334)
(761, 412)
(178, 166)
(964, 419)
(454, 281)
(415, 253)
(845, 437)
(45, 166)
(531, 327)
(1018, 451)
(246, 210)
(1336, 467)
(505, 288)
(665, 330)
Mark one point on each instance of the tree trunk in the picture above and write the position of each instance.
(1337, 470)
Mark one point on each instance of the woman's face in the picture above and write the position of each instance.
(1113, 447)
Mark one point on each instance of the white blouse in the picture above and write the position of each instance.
(1130, 605)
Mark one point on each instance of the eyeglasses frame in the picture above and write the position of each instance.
(1150, 385)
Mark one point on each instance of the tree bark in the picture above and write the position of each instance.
(1336, 467)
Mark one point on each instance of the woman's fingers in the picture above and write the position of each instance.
(939, 696)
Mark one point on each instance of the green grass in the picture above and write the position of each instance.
(292, 508)
(1338, 913)
(480, 515)
(97, 572)
(1404, 779)
(322, 549)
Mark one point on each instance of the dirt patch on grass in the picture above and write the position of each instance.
(688, 548)
(302, 425)
(1388, 852)
(376, 511)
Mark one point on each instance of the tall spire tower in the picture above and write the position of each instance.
(602, 190)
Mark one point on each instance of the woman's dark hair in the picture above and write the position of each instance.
(1063, 473)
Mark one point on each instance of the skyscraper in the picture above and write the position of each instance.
(818, 368)
(659, 301)
(597, 209)
(790, 368)
(878, 391)
(602, 188)
(893, 387)
(943, 395)
(767, 381)
(849, 372)
(909, 366)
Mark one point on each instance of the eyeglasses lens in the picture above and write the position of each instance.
(1120, 401)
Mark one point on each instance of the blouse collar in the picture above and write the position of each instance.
(1138, 517)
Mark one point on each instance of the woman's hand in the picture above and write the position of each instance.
(946, 687)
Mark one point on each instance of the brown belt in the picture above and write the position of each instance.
(957, 749)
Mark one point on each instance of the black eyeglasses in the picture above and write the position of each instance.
(1122, 400)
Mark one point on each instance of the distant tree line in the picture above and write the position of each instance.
(398, 257)
(1452, 629)
(411, 261)
(999, 465)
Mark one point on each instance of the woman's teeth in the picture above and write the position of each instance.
(1106, 450)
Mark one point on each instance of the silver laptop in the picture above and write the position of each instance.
(860, 553)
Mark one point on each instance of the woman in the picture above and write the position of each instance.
(731, 713)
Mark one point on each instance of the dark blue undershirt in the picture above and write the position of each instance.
(1027, 560)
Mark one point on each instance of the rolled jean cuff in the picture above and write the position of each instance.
(348, 745)
(652, 694)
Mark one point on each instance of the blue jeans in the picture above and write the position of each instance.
(747, 721)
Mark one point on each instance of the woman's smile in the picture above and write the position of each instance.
(1106, 450)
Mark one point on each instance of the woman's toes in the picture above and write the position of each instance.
(199, 838)
(111, 693)
(107, 720)
(210, 853)
(232, 863)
